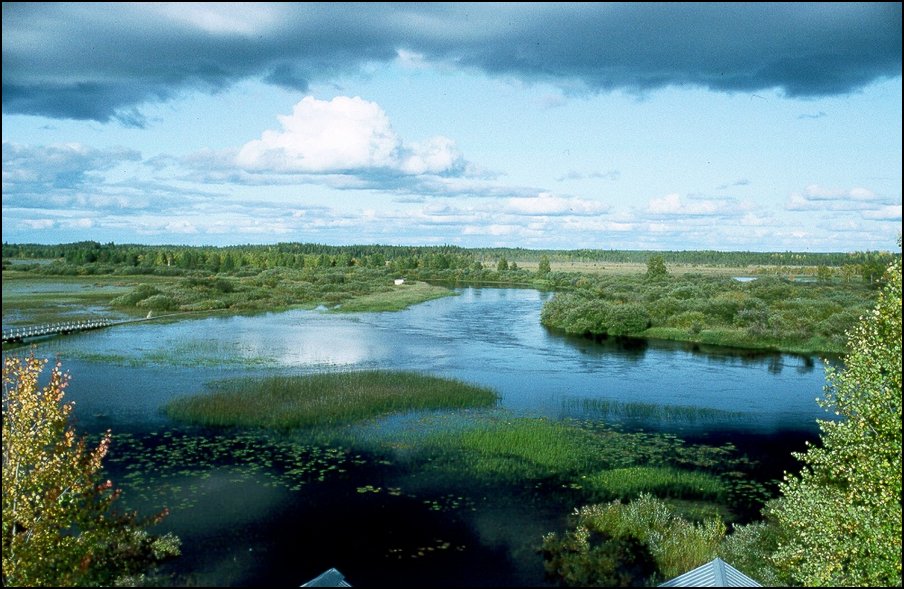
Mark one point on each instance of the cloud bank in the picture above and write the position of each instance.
(102, 62)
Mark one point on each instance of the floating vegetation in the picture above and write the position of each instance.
(450, 502)
(589, 460)
(194, 353)
(285, 402)
(439, 545)
(391, 491)
(169, 468)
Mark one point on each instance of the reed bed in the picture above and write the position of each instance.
(326, 399)
(525, 448)
(661, 481)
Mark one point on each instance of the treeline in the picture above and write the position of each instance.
(90, 257)
(300, 255)
(696, 257)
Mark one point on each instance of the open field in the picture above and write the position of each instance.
(628, 268)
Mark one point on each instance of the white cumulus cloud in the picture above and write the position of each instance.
(549, 204)
(672, 204)
(345, 135)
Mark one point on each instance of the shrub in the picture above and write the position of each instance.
(139, 293)
(59, 525)
(615, 544)
(158, 302)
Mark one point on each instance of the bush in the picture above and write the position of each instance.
(130, 299)
(694, 320)
(627, 319)
(158, 302)
(615, 543)
(749, 549)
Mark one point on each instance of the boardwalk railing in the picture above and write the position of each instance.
(20, 334)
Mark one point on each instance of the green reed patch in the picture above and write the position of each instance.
(326, 399)
(532, 447)
(518, 449)
(594, 461)
(625, 483)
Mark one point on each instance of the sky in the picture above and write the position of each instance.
(761, 127)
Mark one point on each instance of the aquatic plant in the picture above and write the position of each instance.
(626, 483)
(285, 402)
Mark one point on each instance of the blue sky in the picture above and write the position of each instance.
(615, 126)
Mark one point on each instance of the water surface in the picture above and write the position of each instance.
(242, 528)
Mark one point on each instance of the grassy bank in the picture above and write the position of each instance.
(30, 298)
(394, 298)
(284, 402)
(33, 299)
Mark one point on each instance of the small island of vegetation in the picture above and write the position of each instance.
(326, 399)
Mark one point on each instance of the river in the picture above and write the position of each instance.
(243, 530)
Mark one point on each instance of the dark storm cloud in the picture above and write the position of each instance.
(101, 61)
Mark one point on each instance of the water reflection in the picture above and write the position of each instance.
(630, 349)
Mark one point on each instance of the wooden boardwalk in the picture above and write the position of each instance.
(20, 334)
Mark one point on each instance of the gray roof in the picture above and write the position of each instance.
(331, 578)
(715, 573)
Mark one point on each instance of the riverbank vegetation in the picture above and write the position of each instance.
(766, 313)
(639, 543)
(799, 302)
(838, 523)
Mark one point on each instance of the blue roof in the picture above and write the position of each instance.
(331, 578)
(715, 573)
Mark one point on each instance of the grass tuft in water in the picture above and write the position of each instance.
(626, 483)
(285, 402)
